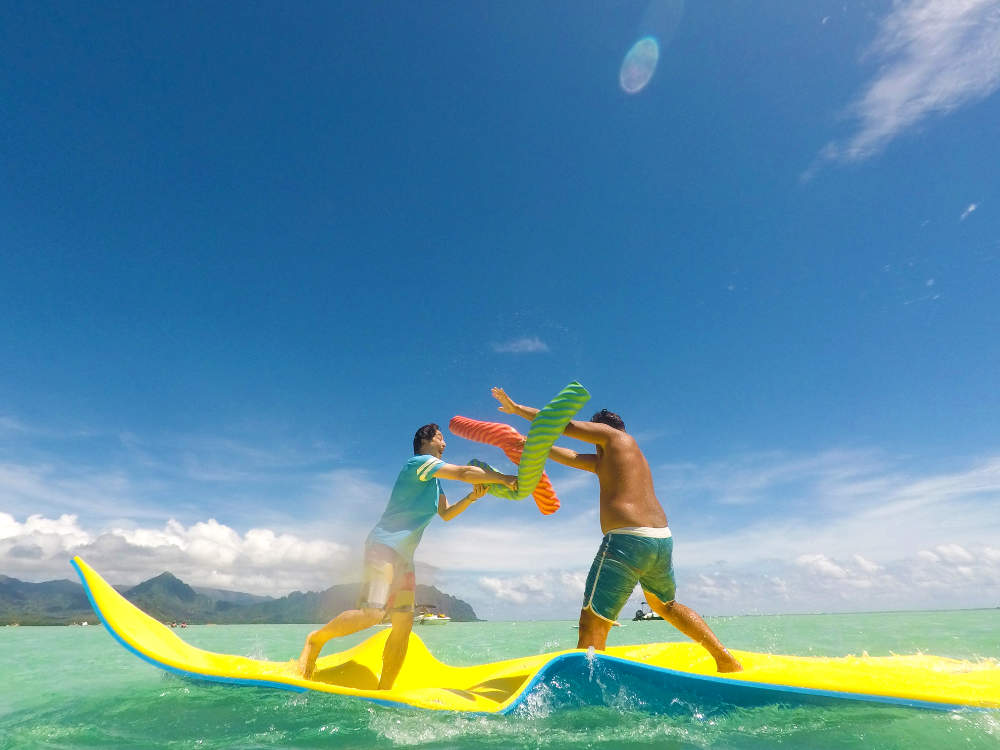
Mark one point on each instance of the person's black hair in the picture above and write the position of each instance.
(426, 432)
(609, 418)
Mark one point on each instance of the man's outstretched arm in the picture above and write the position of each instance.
(589, 432)
(475, 475)
(567, 457)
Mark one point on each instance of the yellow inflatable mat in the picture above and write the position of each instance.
(662, 677)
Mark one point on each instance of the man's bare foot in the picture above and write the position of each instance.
(307, 659)
(727, 663)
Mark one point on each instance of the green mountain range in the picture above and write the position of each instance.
(169, 599)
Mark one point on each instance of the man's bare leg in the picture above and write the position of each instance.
(350, 621)
(395, 648)
(690, 624)
(593, 631)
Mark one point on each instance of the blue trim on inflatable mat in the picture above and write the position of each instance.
(718, 689)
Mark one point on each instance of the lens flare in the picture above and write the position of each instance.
(639, 65)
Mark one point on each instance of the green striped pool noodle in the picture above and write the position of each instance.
(546, 428)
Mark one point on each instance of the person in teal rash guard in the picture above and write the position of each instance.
(389, 583)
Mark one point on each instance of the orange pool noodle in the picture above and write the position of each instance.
(510, 441)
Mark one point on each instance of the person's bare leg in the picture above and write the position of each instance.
(350, 621)
(690, 624)
(394, 652)
(593, 631)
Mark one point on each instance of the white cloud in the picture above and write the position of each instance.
(837, 529)
(866, 565)
(263, 561)
(935, 56)
(523, 345)
(517, 545)
(816, 583)
(206, 553)
(953, 553)
(521, 589)
(821, 565)
(545, 595)
(718, 587)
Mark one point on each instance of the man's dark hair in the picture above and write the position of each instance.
(609, 418)
(426, 432)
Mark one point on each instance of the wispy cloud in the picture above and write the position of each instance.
(102, 477)
(934, 56)
(968, 212)
(523, 345)
(48, 488)
(757, 479)
(10, 425)
(538, 588)
(847, 503)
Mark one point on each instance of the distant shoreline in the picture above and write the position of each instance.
(98, 623)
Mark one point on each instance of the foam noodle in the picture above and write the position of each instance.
(544, 494)
(546, 427)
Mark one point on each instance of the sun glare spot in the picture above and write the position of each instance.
(639, 65)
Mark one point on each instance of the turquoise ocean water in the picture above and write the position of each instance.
(76, 687)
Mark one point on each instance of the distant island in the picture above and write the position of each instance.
(169, 599)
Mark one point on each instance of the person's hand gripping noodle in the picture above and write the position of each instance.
(528, 452)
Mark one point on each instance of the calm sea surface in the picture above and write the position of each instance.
(75, 687)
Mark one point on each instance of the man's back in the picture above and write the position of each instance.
(627, 495)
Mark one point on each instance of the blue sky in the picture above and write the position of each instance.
(248, 248)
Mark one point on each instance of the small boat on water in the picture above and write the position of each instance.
(428, 614)
(645, 613)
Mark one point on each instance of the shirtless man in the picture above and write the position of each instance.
(637, 544)
(388, 567)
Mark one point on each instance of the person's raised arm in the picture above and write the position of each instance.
(589, 432)
(508, 406)
(475, 475)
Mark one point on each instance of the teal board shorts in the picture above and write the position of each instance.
(628, 556)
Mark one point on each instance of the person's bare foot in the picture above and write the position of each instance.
(307, 659)
(727, 663)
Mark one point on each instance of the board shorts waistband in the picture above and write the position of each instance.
(650, 532)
